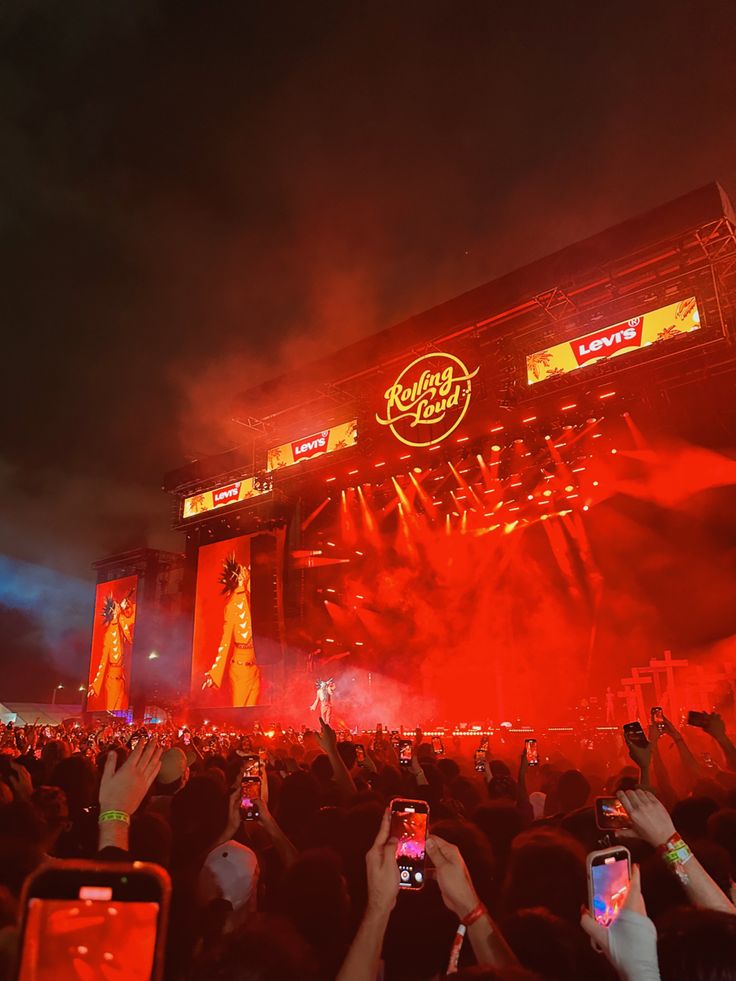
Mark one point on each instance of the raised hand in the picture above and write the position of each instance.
(123, 789)
(326, 737)
(715, 726)
(207, 683)
(382, 869)
(456, 886)
(649, 817)
(641, 755)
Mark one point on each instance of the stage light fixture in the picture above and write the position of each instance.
(498, 429)
(548, 437)
(351, 473)
(530, 497)
(547, 493)
(585, 507)
(606, 395)
(529, 419)
(572, 405)
(406, 456)
(496, 448)
(614, 450)
(595, 483)
(569, 489)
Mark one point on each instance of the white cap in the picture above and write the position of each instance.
(537, 800)
(230, 872)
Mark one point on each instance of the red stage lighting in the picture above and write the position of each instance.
(529, 419)
(330, 479)
(606, 395)
(496, 448)
(497, 429)
(572, 405)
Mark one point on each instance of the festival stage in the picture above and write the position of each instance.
(505, 508)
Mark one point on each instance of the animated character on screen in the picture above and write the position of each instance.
(118, 619)
(236, 648)
(325, 691)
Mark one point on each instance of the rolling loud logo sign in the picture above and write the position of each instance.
(433, 391)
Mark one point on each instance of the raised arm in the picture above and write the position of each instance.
(652, 823)
(123, 789)
(459, 896)
(716, 728)
(363, 958)
(328, 742)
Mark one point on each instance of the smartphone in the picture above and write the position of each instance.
(359, 753)
(94, 919)
(252, 765)
(437, 747)
(609, 874)
(610, 814)
(406, 750)
(409, 821)
(250, 794)
(636, 734)
(698, 719)
(480, 758)
(532, 753)
(658, 717)
(186, 738)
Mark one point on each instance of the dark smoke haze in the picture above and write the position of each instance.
(199, 196)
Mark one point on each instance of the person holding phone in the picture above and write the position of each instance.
(458, 894)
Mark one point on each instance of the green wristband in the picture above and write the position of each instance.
(114, 816)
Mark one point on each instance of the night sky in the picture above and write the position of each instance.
(198, 195)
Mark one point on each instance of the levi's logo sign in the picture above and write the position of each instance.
(609, 341)
(310, 446)
(224, 494)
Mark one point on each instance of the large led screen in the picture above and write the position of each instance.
(225, 671)
(112, 645)
(610, 342)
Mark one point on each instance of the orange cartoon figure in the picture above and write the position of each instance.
(236, 650)
(118, 619)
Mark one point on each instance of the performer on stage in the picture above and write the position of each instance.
(236, 648)
(118, 619)
(325, 691)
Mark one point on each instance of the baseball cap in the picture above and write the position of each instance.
(230, 872)
(173, 766)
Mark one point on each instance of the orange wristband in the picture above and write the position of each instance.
(474, 915)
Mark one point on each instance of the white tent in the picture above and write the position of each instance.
(34, 713)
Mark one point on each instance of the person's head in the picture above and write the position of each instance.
(313, 896)
(573, 790)
(348, 754)
(52, 806)
(546, 869)
(466, 793)
(448, 768)
(555, 948)
(500, 821)
(52, 752)
(321, 768)
(299, 800)
(173, 772)
(77, 778)
(150, 839)
(266, 948)
(199, 815)
(690, 817)
(697, 945)
(722, 830)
